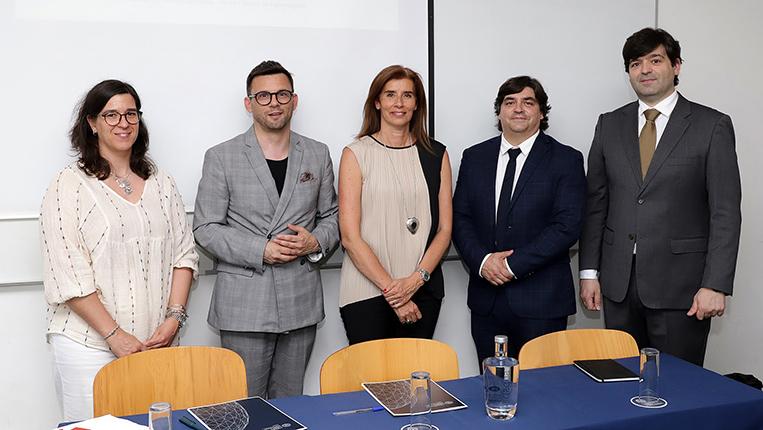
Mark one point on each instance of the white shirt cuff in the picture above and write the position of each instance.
(483, 263)
(589, 274)
(506, 261)
(315, 256)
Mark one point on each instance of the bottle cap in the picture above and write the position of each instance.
(502, 339)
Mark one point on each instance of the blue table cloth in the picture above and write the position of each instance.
(558, 398)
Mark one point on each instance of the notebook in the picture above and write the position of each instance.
(605, 370)
(395, 396)
(253, 413)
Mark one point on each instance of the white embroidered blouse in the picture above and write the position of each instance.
(93, 240)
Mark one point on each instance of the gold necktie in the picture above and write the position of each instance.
(647, 140)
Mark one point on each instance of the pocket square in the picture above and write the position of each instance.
(306, 177)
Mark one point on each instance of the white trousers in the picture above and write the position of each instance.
(74, 369)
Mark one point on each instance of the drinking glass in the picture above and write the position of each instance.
(421, 402)
(501, 381)
(160, 416)
(649, 380)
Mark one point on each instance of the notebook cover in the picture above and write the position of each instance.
(605, 370)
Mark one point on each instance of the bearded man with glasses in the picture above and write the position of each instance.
(266, 210)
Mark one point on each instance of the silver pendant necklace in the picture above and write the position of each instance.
(123, 182)
(411, 222)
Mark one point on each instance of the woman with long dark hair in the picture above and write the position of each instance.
(118, 255)
(395, 215)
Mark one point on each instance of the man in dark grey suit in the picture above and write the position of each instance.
(266, 210)
(663, 210)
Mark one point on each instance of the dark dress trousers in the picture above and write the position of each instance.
(544, 220)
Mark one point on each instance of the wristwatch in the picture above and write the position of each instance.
(424, 274)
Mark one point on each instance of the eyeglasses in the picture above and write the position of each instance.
(263, 98)
(113, 118)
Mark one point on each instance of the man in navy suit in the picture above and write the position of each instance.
(517, 210)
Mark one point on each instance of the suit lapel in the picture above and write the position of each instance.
(256, 158)
(677, 125)
(630, 137)
(534, 159)
(490, 164)
(293, 169)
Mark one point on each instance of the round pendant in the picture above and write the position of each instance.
(412, 224)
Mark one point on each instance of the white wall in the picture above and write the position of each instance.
(720, 42)
(720, 46)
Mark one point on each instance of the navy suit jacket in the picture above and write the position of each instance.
(545, 220)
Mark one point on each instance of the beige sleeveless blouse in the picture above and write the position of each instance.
(394, 188)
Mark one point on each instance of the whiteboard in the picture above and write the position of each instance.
(188, 61)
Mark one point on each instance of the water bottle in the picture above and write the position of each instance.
(501, 379)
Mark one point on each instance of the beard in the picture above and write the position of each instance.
(274, 124)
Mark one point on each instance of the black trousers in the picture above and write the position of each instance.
(668, 330)
(501, 320)
(374, 318)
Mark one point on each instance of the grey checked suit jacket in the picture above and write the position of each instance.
(684, 215)
(238, 209)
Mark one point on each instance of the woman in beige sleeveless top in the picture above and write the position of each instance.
(394, 215)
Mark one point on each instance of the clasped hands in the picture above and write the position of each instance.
(123, 343)
(496, 270)
(286, 247)
(398, 294)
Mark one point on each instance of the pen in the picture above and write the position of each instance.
(358, 411)
(190, 423)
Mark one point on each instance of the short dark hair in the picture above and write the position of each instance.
(268, 67)
(647, 40)
(85, 143)
(516, 85)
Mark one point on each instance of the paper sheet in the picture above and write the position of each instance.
(106, 422)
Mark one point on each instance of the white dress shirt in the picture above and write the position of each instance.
(665, 107)
(503, 160)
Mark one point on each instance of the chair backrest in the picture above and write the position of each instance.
(385, 360)
(185, 376)
(562, 347)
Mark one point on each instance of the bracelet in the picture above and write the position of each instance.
(177, 312)
(112, 332)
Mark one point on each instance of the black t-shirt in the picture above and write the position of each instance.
(278, 170)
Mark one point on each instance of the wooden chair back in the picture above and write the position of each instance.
(562, 347)
(386, 360)
(184, 376)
